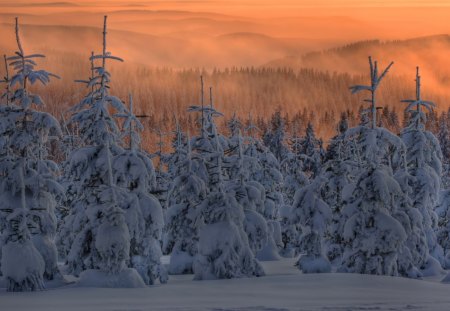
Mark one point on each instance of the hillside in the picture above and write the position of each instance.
(430, 53)
(232, 49)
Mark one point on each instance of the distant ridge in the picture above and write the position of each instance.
(39, 4)
(430, 52)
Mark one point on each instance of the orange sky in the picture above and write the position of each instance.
(232, 32)
(236, 33)
(229, 6)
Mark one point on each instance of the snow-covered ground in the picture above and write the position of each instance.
(284, 288)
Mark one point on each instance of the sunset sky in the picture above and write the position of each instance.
(232, 32)
(227, 33)
(208, 34)
(236, 6)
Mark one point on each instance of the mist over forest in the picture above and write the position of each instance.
(256, 61)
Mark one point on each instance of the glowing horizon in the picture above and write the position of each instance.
(206, 34)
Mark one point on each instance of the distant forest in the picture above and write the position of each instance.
(301, 95)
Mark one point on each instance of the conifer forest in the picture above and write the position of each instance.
(124, 202)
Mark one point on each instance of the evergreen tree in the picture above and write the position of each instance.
(133, 170)
(105, 219)
(275, 136)
(187, 191)
(443, 232)
(313, 215)
(294, 179)
(340, 170)
(250, 194)
(179, 145)
(375, 80)
(224, 251)
(444, 141)
(29, 189)
(373, 238)
(234, 126)
(414, 253)
(162, 176)
(223, 248)
(423, 158)
(311, 148)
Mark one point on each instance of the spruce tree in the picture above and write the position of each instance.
(223, 247)
(249, 193)
(313, 215)
(424, 164)
(186, 193)
(374, 239)
(133, 170)
(29, 189)
(105, 218)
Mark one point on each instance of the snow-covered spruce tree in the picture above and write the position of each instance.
(69, 143)
(335, 193)
(373, 144)
(424, 164)
(292, 169)
(175, 164)
(133, 170)
(294, 179)
(375, 79)
(162, 176)
(444, 141)
(268, 174)
(175, 160)
(223, 248)
(339, 147)
(28, 179)
(339, 171)
(234, 126)
(275, 136)
(311, 147)
(272, 180)
(443, 233)
(7, 94)
(4, 102)
(374, 240)
(187, 191)
(414, 252)
(210, 144)
(249, 194)
(313, 215)
(104, 218)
